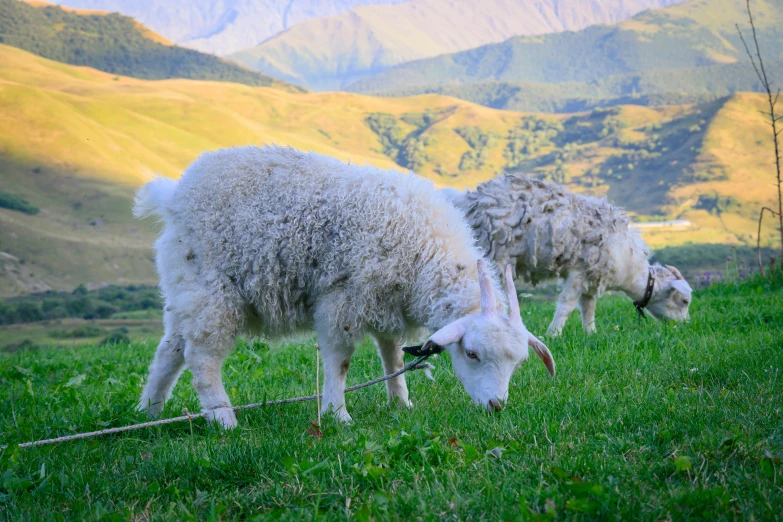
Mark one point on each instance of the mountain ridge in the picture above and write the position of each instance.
(686, 36)
(328, 53)
(222, 27)
(650, 88)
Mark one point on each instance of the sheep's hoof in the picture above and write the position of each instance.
(400, 402)
(341, 414)
(152, 409)
(223, 417)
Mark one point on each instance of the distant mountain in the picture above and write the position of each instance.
(112, 43)
(222, 26)
(648, 88)
(331, 52)
(691, 48)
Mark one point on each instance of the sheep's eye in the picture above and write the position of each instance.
(471, 355)
(685, 302)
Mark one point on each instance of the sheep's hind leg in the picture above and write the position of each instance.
(205, 362)
(566, 302)
(164, 372)
(587, 308)
(392, 357)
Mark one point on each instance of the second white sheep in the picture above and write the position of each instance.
(546, 231)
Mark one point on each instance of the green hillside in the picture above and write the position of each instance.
(112, 43)
(649, 88)
(75, 143)
(687, 48)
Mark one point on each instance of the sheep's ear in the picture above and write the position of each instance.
(681, 286)
(489, 303)
(543, 353)
(674, 271)
(451, 333)
(513, 302)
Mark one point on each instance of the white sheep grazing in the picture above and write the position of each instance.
(273, 240)
(546, 231)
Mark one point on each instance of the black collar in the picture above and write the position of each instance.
(647, 295)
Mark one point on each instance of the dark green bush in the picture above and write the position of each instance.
(119, 336)
(81, 303)
(80, 332)
(14, 202)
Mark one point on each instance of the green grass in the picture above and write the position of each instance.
(642, 422)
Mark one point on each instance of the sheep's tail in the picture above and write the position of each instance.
(154, 198)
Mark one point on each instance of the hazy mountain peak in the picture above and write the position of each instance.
(221, 26)
(333, 51)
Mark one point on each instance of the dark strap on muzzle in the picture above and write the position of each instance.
(421, 350)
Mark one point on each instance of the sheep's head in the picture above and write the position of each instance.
(672, 295)
(487, 347)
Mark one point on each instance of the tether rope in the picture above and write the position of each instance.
(410, 366)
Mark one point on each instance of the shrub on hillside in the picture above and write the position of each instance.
(80, 332)
(14, 202)
(115, 337)
(81, 303)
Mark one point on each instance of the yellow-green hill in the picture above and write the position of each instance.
(76, 142)
(112, 43)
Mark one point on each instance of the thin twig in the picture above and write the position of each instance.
(761, 73)
(317, 380)
(758, 236)
(747, 50)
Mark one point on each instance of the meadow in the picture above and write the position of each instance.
(644, 421)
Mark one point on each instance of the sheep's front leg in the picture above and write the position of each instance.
(337, 360)
(566, 302)
(205, 362)
(392, 357)
(587, 308)
(164, 372)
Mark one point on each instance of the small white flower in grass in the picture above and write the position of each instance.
(694, 370)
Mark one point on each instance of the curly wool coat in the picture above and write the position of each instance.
(272, 240)
(546, 231)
